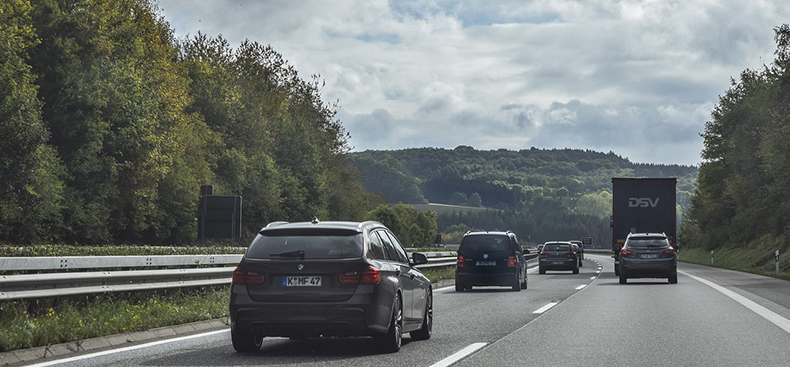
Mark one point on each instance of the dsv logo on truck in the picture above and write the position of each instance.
(642, 202)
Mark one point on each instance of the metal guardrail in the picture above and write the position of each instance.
(66, 276)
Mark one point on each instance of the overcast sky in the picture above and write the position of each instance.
(639, 78)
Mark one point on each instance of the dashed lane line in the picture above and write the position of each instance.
(459, 355)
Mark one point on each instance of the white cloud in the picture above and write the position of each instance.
(639, 78)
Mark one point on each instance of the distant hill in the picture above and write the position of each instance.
(560, 183)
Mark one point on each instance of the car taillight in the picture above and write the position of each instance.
(570, 254)
(460, 261)
(511, 261)
(241, 277)
(544, 254)
(669, 251)
(371, 275)
(626, 251)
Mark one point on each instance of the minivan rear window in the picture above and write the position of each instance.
(485, 243)
(314, 246)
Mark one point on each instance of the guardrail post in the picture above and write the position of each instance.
(711, 257)
(777, 263)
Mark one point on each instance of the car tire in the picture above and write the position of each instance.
(616, 269)
(673, 278)
(623, 279)
(541, 271)
(245, 342)
(516, 286)
(581, 263)
(524, 283)
(424, 332)
(390, 342)
(459, 287)
(576, 269)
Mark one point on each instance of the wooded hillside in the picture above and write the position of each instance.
(545, 194)
(109, 126)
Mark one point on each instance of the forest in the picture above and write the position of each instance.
(541, 194)
(110, 125)
(744, 186)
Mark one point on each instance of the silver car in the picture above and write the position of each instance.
(648, 255)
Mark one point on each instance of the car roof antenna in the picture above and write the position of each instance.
(315, 220)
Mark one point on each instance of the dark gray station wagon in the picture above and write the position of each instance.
(329, 279)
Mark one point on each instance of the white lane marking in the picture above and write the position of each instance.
(546, 307)
(459, 355)
(769, 315)
(598, 272)
(581, 286)
(113, 351)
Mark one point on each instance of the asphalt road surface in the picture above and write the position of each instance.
(712, 317)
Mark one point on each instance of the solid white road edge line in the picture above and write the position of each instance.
(546, 307)
(459, 355)
(146, 345)
(769, 315)
(581, 286)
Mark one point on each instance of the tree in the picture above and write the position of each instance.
(30, 179)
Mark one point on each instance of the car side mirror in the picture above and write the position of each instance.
(418, 258)
(525, 251)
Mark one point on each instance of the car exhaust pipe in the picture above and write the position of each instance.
(255, 329)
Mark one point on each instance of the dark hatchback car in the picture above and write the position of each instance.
(490, 259)
(558, 255)
(648, 255)
(329, 279)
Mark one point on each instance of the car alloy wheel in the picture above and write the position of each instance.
(424, 333)
(391, 341)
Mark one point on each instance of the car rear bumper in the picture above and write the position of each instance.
(359, 316)
(558, 264)
(648, 268)
(493, 279)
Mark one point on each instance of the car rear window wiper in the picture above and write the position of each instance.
(297, 253)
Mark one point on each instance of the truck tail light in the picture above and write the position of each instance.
(241, 277)
(460, 261)
(511, 261)
(371, 275)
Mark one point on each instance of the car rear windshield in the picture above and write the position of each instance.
(485, 243)
(645, 242)
(557, 247)
(311, 246)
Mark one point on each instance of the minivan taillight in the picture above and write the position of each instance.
(460, 261)
(371, 275)
(511, 261)
(241, 277)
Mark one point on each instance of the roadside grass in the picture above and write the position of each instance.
(59, 321)
(759, 260)
(436, 275)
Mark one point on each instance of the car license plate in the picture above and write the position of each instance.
(486, 263)
(648, 256)
(302, 281)
(557, 262)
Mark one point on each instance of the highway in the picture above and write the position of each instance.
(712, 317)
